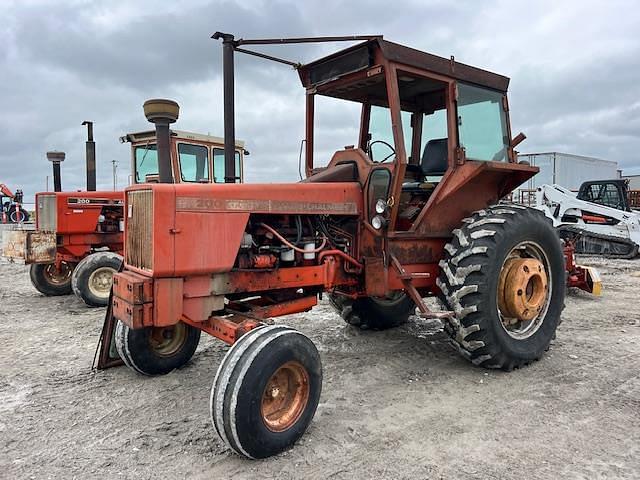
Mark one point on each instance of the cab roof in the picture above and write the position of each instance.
(361, 57)
(179, 134)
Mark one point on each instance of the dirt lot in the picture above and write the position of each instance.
(398, 404)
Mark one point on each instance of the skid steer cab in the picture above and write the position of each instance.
(79, 237)
(410, 210)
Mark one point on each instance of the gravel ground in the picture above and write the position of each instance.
(395, 404)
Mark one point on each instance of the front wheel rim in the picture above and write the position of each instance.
(525, 289)
(100, 280)
(285, 397)
(58, 276)
(167, 341)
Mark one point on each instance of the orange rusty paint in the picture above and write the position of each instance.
(134, 316)
(522, 288)
(285, 396)
(466, 188)
(224, 328)
(184, 244)
(132, 288)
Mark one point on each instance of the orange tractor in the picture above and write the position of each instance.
(78, 241)
(11, 210)
(410, 211)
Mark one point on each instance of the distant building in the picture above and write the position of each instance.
(634, 181)
(567, 170)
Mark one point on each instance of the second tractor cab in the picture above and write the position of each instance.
(409, 211)
(79, 241)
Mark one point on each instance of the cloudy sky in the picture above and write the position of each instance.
(574, 68)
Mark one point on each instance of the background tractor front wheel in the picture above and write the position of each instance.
(503, 275)
(156, 350)
(374, 313)
(266, 391)
(92, 278)
(50, 280)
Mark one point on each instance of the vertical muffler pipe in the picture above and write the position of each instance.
(90, 157)
(228, 46)
(56, 158)
(162, 112)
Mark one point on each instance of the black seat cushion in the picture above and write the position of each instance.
(435, 157)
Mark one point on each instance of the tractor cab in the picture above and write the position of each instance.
(195, 158)
(434, 142)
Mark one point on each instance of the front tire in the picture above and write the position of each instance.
(92, 278)
(156, 350)
(51, 281)
(374, 313)
(503, 275)
(266, 391)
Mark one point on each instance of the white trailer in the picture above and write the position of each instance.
(566, 170)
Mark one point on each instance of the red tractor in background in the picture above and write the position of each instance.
(411, 210)
(11, 210)
(78, 241)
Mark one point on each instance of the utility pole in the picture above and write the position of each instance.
(47, 183)
(115, 176)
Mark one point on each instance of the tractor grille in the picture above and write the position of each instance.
(47, 213)
(139, 235)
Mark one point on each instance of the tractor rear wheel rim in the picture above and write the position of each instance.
(285, 397)
(100, 281)
(391, 300)
(58, 276)
(524, 290)
(167, 341)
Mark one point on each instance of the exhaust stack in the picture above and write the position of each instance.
(90, 157)
(55, 158)
(228, 48)
(162, 113)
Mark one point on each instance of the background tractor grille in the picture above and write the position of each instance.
(139, 235)
(47, 213)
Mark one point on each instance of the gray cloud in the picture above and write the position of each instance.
(573, 66)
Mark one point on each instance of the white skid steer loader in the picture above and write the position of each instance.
(597, 219)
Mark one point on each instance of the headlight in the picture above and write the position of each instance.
(381, 206)
(378, 222)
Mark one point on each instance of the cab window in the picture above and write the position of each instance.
(218, 166)
(194, 162)
(482, 123)
(381, 144)
(146, 162)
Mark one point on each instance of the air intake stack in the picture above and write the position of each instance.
(162, 113)
(56, 158)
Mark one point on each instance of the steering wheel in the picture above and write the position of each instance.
(393, 151)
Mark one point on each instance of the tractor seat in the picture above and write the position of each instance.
(434, 163)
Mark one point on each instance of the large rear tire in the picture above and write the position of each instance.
(92, 278)
(374, 313)
(156, 350)
(503, 275)
(266, 391)
(51, 281)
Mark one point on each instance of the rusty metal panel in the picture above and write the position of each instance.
(375, 276)
(47, 212)
(203, 204)
(23, 246)
(133, 288)
(139, 238)
(134, 316)
(168, 301)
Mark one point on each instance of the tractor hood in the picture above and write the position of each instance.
(178, 229)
